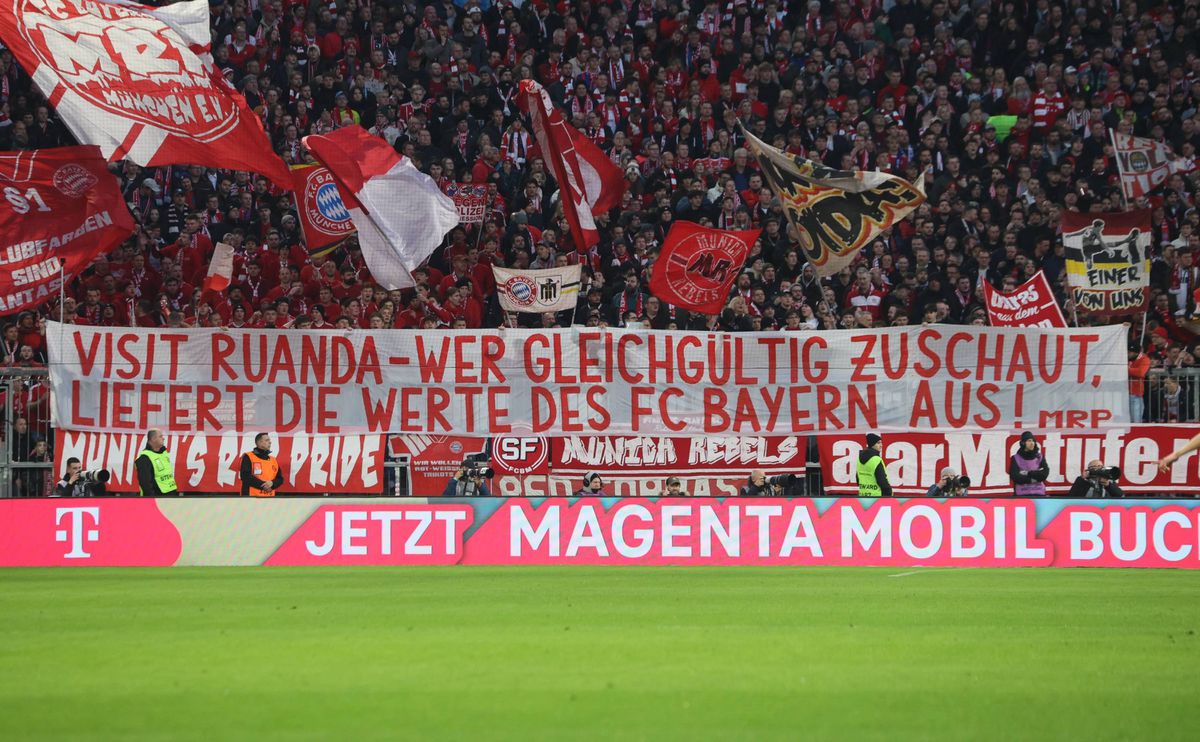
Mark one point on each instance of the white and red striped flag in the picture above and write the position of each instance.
(400, 213)
(220, 269)
(589, 182)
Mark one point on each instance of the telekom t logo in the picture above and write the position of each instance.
(77, 532)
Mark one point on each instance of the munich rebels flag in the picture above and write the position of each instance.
(834, 212)
(697, 266)
(139, 82)
(1108, 260)
(323, 215)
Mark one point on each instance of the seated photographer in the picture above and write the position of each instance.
(78, 483)
(1097, 482)
(950, 484)
(757, 485)
(470, 480)
(593, 486)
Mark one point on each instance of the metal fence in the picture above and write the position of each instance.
(1172, 395)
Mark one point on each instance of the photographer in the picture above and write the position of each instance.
(757, 486)
(1097, 482)
(593, 486)
(674, 488)
(949, 485)
(470, 480)
(78, 483)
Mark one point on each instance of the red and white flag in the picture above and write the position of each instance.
(139, 82)
(697, 266)
(324, 217)
(61, 208)
(589, 183)
(1144, 164)
(220, 269)
(1031, 304)
(400, 213)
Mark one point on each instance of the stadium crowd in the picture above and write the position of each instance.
(905, 86)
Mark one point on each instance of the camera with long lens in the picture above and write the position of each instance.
(1105, 472)
(782, 480)
(957, 483)
(95, 476)
(477, 466)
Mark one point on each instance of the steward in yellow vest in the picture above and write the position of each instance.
(155, 472)
(872, 474)
(259, 471)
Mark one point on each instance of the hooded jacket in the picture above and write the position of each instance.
(885, 487)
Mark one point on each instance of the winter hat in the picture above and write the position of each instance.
(872, 439)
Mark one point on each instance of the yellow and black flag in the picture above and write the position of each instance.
(834, 212)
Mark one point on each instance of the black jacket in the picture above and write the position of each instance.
(885, 487)
(1090, 488)
(246, 473)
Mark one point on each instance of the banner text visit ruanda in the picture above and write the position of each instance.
(586, 380)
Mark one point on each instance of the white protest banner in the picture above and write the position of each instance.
(586, 380)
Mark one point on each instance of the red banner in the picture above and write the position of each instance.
(470, 200)
(323, 215)
(209, 463)
(59, 205)
(698, 265)
(915, 460)
(139, 82)
(432, 459)
(1032, 304)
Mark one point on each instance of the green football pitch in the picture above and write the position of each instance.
(584, 653)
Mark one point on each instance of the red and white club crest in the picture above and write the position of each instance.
(126, 62)
(323, 205)
(74, 180)
(702, 265)
(520, 455)
(520, 289)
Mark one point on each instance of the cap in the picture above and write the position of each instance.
(152, 184)
(1070, 70)
(673, 480)
(949, 471)
(872, 439)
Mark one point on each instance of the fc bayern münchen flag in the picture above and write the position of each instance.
(323, 215)
(400, 213)
(549, 290)
(139, 82)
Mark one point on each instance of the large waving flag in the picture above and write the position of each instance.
(697, 265)
(324, 218)
(589, 182)
(1144, 164)
(62, 208)
(400, 213)
(834, 212)
(139, 82)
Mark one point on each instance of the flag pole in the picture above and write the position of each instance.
(62, 289)
(1112, 137)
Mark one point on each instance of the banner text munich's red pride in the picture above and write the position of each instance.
(586, 380)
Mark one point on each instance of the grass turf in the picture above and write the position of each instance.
(583, 653)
